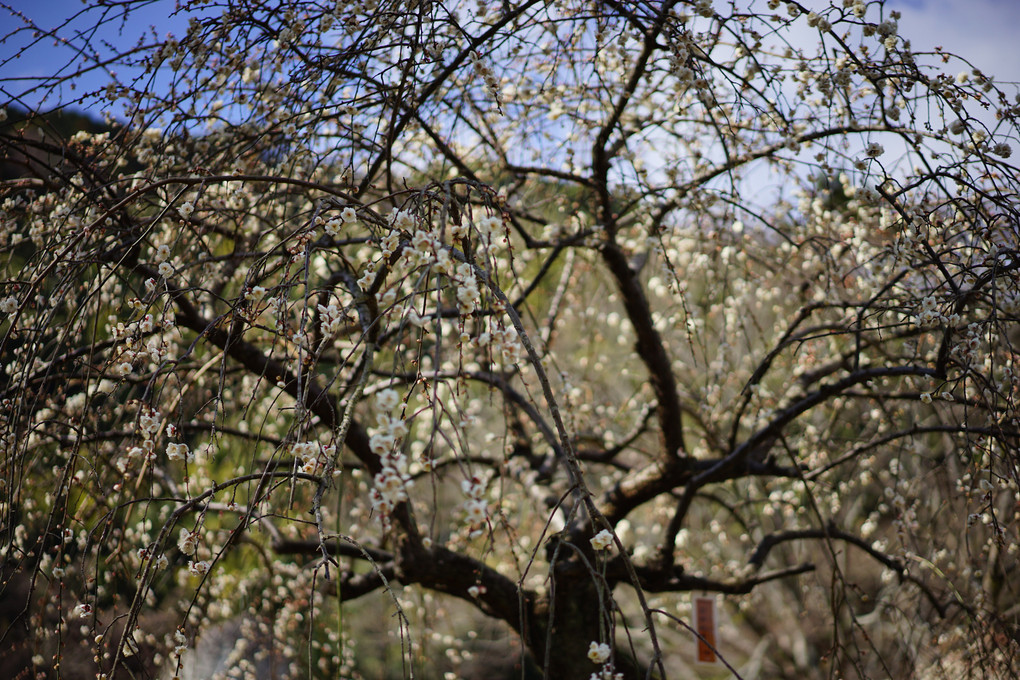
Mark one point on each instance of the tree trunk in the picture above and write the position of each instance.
(576, 613)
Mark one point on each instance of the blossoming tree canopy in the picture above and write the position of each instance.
(522, 321)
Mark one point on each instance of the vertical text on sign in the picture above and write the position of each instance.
(704, 624)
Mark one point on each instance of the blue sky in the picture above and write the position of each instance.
(42, 57)
(984, 31)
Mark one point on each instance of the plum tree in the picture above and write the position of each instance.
(557, 312)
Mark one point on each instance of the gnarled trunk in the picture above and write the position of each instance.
(575, 613)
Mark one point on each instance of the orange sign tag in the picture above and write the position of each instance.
(704, 624)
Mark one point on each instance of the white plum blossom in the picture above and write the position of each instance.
(162, 253)
(599, 652)
(387, 399)
(367, 277)
(180, 644)
(476, 508)
(490, 228)
(416, 319)
(606, 674)
(187, 542)
(602, 540)
(9, 305)
(333, 226)
(389, 244)
(382, 442)
(198, 567)
(468, 295)
(175, 451)
(403, 220)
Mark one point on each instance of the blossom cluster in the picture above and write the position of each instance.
(137, 342)
(180, 645)
(468, 294)
(187, 541)
(490, 229)
(476, 508)
(331, 319)
(164, 264)
(310, 456)
(391, 482)
(599, 652)
(506, 345)
(967, 350)
(148, 426)
(179, 451)
(488, 77)
(929, 314)
(348, 218)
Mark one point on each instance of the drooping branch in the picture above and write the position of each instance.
(652, 350)
(454, 573)
(831, 532)
(317, 399)
(656, 580)
(650, 346)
